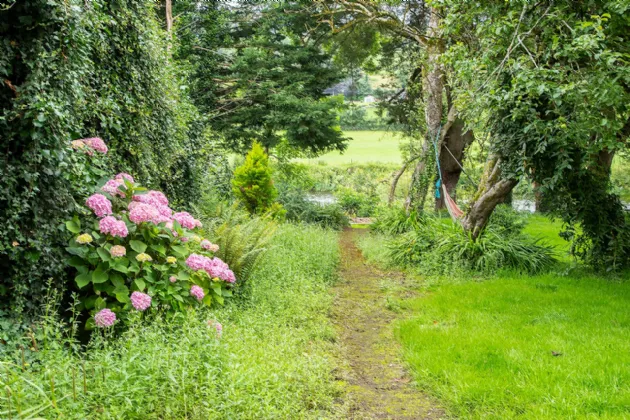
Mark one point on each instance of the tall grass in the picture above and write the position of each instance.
(273, 360)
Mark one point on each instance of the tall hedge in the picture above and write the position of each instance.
(72, 69)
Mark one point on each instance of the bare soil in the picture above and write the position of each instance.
(378, 387)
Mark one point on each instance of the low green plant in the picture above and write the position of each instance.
(299, 209)
(252, 182)
(357, 203)
(395, 221)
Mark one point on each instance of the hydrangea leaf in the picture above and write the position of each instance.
(138, 246)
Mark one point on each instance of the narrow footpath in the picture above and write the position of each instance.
(378, 385)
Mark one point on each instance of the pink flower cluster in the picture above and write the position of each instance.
(150, 207)
(209, 246)
(112, 226)
(186, 220)
(197, 292)
(105, 318)
(99, 204)
(111, 187)
(140, 301)
(126, 176)
(215, 267)
(217, 326)
(93, 143)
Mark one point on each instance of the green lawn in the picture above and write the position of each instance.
(486, 349)
(366, 146)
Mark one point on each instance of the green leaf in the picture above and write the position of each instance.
(120, 268)
(178, 297)
(82, 280)
(227, 293)
(182, 275)
(100, 304)
(104, 254)
(207, 300)
(116, 280)
(122, 297)
(76, 262)
(89, 302)
(99, 276)
(159, 248)
(180, 250)
(219, 299)
(140, 284)
(73, 226)
(138, 246)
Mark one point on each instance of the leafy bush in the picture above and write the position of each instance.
(441, 247)
(507, 220)
(252, 181)
(357, 203)
(70, 69)
(136, 245)
(395, 220)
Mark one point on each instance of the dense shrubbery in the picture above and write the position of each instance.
(299, 209)
(70, 69)
(357, 203)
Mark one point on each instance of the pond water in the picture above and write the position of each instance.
(321, 198)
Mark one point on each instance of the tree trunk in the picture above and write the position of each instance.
(169, 24)
(456, 140)
(492, 191)
(433, 86)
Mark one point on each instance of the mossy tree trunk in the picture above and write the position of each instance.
(493, 189)
(457, 140)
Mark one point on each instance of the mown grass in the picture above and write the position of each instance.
(273, 360)
(365, 147)
(550, 346)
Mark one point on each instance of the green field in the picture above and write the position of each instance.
(365, 147)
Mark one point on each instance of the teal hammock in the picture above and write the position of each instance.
(455, 212)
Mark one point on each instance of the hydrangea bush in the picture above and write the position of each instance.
(135, 253)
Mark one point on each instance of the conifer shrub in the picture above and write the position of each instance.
(252, 182)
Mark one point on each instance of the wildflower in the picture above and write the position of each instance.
(172, 279)
(15, 243)
(111, 225)
(140, 301)
(186, 220)
(217, 326)
(85, 238)
(105, 318)
(96, 143)
(171, 260)
(196, 238)
(209, 246)
(126, 176)
(197, 292)
(118, 251)
(142, 257)
(99, 204)
(111, 187)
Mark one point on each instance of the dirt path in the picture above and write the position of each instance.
(378, 386)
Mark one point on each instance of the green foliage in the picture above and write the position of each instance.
(300, 209)
(252, 182)
(395, 221)
(440, 247)
(175, 367)
(357, 203)
(242, 239)
(73, 69)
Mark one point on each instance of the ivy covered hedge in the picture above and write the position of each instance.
(73, 69)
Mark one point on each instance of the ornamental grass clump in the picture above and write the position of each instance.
(133, 252)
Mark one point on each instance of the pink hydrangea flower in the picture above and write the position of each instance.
(155, 198)
(140, 301)
(197, 292)
(118, 251)
(112, 226)
(209, 246)
(185, 239)
(140, 212)
(126, 176)
(186, 220)
(111, 187)
(96, 143)
(217, 268)
(197, 262)
(104, 318)
(99, 204)
(172, 279)
(216, 325)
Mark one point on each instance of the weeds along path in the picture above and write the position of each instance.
(378, 386)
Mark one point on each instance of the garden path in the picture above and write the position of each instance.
(378, 385)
